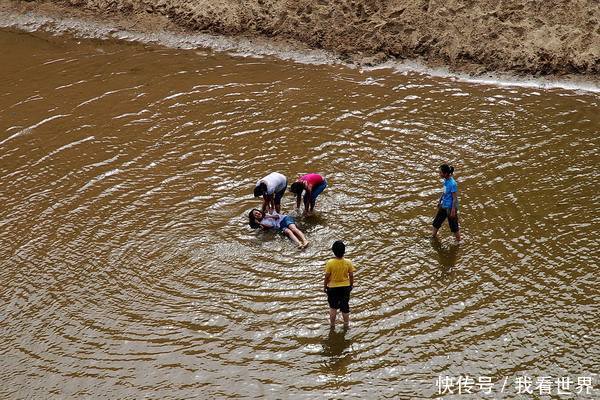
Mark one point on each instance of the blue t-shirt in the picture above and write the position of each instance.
(449, 188)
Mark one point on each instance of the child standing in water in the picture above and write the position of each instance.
(448, 203)
(281, 222)
(313, 185)
(339, 280)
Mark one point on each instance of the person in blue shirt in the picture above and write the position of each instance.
(448, 203)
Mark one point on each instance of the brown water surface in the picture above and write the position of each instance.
(127, 268)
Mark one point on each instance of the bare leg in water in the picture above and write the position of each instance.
(293, 237)
(298, 234)
(333, 316)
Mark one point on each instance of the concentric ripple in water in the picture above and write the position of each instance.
(127, 268)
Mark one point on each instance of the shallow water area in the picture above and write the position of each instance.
(127, 268)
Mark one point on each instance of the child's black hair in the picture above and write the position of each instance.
(447, 169)
(260, 189)
(252, 221)
(296, 187)
(339, 248)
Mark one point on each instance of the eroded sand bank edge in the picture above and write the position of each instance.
(530, 38)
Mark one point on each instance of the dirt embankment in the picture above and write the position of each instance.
(536, 37)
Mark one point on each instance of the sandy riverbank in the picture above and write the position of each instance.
(537, 38)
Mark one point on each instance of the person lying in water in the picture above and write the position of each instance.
(281, 222)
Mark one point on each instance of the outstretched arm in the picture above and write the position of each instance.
(307, 196)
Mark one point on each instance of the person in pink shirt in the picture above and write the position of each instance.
(312, 184)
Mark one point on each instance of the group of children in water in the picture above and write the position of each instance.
(339, 271)
(271, 188)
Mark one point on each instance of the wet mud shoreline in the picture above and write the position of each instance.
(530, 38)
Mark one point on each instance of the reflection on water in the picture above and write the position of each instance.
(338, 352)
(447, 255)
(128, 270)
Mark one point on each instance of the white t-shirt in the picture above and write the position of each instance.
(275, 182)
(272, 222)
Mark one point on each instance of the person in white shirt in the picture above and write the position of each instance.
(281, 222)
(271, 188)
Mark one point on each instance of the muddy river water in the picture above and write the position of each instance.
(128, 270)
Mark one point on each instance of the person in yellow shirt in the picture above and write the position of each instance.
(339, 280)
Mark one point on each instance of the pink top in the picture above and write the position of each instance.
(312, 179)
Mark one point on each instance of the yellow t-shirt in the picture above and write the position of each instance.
(339, 269)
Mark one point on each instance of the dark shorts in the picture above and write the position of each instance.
(279, 195)
(441, 215)
(338, 298)
(285, 222)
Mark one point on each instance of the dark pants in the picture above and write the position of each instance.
(279, 195)
(317, 190)
(338, 298)
(441, 215)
